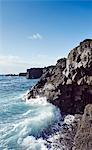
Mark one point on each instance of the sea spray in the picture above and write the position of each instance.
(35, 122)
(24, 125)
(32, 124)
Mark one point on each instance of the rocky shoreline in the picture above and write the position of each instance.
(64, 138)
(68, 85)
(75, 135)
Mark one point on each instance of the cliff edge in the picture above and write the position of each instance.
(68, 85)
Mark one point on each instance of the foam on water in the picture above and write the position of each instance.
(69, 119)
(26, 124)
(26, 132)
(37, 101)
(30, 143)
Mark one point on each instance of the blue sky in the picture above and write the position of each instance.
(37, 33)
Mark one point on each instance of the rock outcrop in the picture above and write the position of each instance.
(79, 64)
(34, 73)
(68, 85)
(11, 75)
(83, 137)
(23, 74)
(75, 133)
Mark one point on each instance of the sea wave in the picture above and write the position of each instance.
(26, 124)
(31, 125)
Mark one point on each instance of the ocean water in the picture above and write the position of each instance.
(24, 125)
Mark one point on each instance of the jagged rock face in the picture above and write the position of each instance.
(83, 137)
(69, 83)
(57, 76)
(79, 64)
(71, 99)
(53, 76)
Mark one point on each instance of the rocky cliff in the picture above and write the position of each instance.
(69, 84)
(83, 137)
(34, 73)
(79, 64)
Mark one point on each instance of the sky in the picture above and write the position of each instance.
(35, 33)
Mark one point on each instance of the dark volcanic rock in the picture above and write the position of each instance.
(11, 75)
(83, 137)
(79, 64)
(73, 98)
(68, 85)
(34, 73)
(22, 74)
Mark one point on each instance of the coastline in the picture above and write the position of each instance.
(51, 115)
(69, 87)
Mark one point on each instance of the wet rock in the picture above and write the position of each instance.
(68, 85)
(64, 138)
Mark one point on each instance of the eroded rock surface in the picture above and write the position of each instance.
(68, 84)
(79, 64)
(83, 138)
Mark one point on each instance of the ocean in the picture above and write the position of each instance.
(24, 125)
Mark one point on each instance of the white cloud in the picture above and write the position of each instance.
(13, 64)
(35, 36)
(16, 64)
(12, 60)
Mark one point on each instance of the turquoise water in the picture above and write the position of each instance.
(22, 123)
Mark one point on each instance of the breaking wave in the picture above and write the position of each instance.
(25, 125)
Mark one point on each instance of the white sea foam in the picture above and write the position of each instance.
(30, 143)
(24, 95)
(36, 119)
(38, 100)
(69, 119)
(35, 126)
